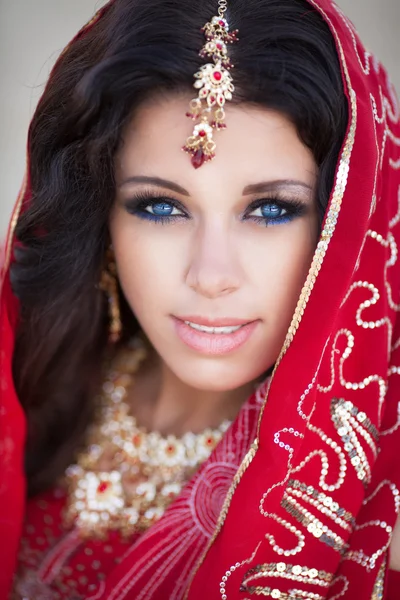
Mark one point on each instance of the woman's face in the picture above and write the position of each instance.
(227, 246)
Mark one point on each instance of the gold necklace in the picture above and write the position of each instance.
(126, 477)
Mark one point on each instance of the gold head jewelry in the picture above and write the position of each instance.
(109, 285)
(215, 86)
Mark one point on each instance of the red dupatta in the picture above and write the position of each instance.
(309, 511)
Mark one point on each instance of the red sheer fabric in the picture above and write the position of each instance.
(310, 507)
(393, 591)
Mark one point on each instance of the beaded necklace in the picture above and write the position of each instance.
(126, 477)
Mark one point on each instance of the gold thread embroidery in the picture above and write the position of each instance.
(395, 164)
(396, 218)
(387, 111)
(393, 489)
(342, 592)
(366, 69)
(390, 243)
(363, 559)
(359, 556)
(290, 527)
(233, 568)
(285, 524)
(382, 384)
(325, 462)
(242, 468)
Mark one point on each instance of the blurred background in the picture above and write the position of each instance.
(33, 32)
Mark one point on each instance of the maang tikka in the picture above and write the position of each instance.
(215, 86)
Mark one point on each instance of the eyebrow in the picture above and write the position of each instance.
(157, 181)
(255, 188)
(273, 186)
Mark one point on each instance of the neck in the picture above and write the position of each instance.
(162, 402)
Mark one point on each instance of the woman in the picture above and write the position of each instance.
(149, 294)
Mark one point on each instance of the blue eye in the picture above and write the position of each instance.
(272, 213)
(162, 209)
(275, 211)
(158, 210)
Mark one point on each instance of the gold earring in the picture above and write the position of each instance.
(109, 285)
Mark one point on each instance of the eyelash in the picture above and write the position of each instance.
(138, 205)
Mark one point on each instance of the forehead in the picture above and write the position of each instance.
(257, 142)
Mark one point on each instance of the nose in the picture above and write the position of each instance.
(213, 269)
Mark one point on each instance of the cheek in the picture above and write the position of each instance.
(147, 264)
(285, 264)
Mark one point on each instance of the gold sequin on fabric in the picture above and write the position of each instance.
(306, 575)
(313, 525)
(272, 592)
(275, 593)
(377, 593)
(349, 421)
(126, 477)
(322, 502)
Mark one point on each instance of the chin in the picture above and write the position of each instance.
(213, 378)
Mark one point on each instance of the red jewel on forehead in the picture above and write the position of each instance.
(198, 158)
(103, 487)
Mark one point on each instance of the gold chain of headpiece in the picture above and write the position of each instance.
(215, 86)
(223, 5)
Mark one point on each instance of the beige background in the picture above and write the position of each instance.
(32, 33)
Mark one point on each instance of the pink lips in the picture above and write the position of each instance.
(213, 343)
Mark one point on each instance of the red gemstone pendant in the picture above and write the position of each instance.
(198, 158)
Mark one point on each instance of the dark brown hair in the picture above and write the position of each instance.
(286, 60)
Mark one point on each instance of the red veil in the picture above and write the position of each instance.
(310, 509)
